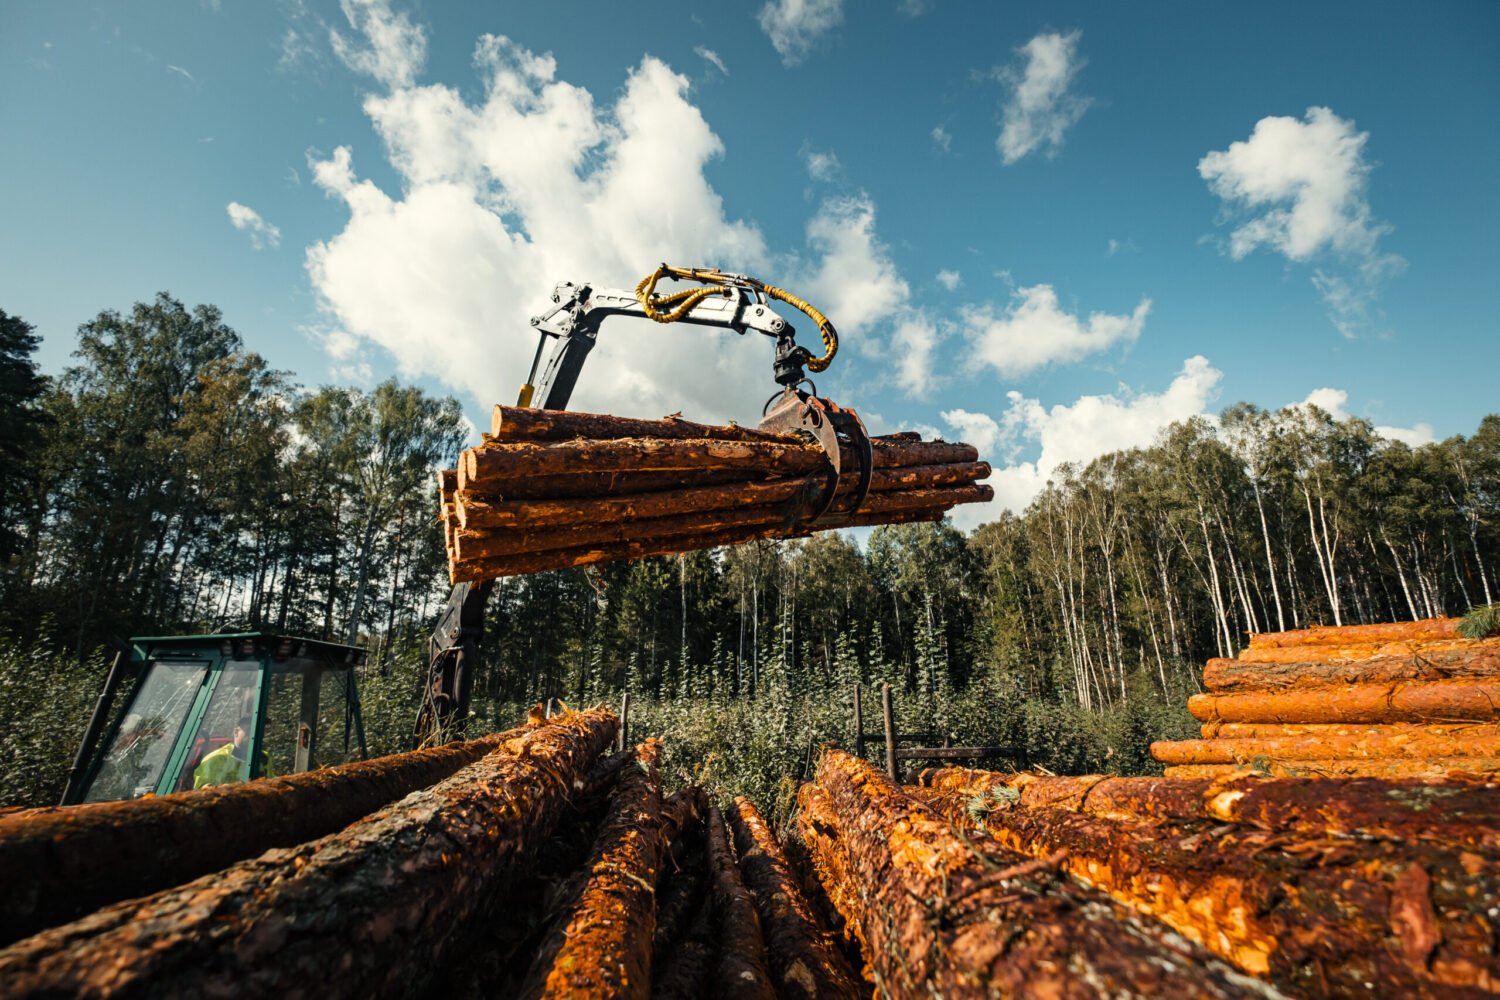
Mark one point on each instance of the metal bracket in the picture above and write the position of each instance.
(799, 410)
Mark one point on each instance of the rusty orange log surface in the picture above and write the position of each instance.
(377, 909)
(1244, 675)
(1357, 652)
(1426, 630)
(962, 916)
(1262, 730)
(1414, 745)
(1461, 815)
(605, 947)
(1320, 917)
(1462, 700)
(740, 972)
(59, 863)
(1432, 767)
(803, 964)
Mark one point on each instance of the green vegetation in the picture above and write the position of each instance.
(173, 482)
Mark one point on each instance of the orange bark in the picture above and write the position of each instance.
(1358, 651)
(1438, 767)
(1339, 635)
(1261, 730)
(513, 423)
(1461, 700)
(1482, 660)
(1410, 745)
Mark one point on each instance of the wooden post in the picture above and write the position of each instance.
(890, 731)
(625, 720)
(859, 726)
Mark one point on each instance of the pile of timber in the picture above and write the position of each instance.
(1338, 887)
(531, 863)
(1410, 699)
(549, 489)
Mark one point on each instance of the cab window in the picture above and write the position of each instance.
(132, 765)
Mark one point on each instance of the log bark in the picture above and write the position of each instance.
(375, 909)
(496, 544)
(474, 511)
(803, 964)
(573, 485)
(56, 864)
(685, 974)
(1438, 767)
(1460, 815)
(1262, 730)
(1321, 917)
(514, 423)
(954, 916)
(1244, 675)
(604, 949)
(740, 972)
(1461, 700)
(677, 902)
(1426, 630)
(1407, 746)
(538, 562)
(1356, 652)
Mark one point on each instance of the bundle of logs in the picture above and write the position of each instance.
(1338, 887)
(1409, 699)
(550, 489)
(532, 863)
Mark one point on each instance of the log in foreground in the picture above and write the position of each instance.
(1426, 630)
(1432, 767)
(604, 949)
(740, 971)
(1264, 730)
(1462, 700)
(1321, 917)
(1356, 653)
(1461, 815)
(1245, 674)
(1415, 745)
(58, 863)
(376, 909)
(954, 916)
(802, 962)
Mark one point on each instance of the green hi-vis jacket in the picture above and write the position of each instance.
(222, 767)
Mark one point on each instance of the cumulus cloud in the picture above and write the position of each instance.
(1335, 403)
(1080, 432)
(794, 26)
(949, 279)
(1300, 187)
(1041, 106)
(710, 56)
(1033, 331)
(248, 220)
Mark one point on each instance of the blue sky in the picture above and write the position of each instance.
(1049, 229)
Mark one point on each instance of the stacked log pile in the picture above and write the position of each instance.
(1409, 699)
(551, 489)
(1337, 887)
(530, 863)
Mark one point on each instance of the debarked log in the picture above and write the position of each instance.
(962, 916)
(1414, 745)
(604, 948)
(1425, 630)
(475, 511)
(1432, 767)
(1240, 675)
(803, 963)
(373, 910)
(740, 971)
(538, 562)
(59, 863)
(1319, 916)
(1459, 700)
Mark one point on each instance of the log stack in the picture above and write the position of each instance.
(550, 489)
(1409, 699)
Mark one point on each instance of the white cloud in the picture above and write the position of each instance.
(1080, 432)
(531, 185)
(914, 8)
(1335, 403)
(821, 166)
(1033, 331)
(794, 26)
(392, 49)
(1302, 184)
(709, 55)
(949, 279)
(179, 69)
(942, 139)
(1041, 108)
(247, 220)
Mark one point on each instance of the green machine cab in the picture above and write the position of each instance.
(213, 709)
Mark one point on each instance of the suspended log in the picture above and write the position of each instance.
(416, 877)
(537, 562)
(1461, 815)
(573, 485)
(1462, 700)
(740, 971)
(1435, 767)
(1426, 630)
(1414, 745)
(59, 863)
(802, 963)
(685, 974)
(471, 545)
(1263, 730)
(1320, 917)
(1244, 675)
(477, 512)
(604, 949)
(961, 916)
(514, 423)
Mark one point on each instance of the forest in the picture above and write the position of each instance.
(172, 482)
